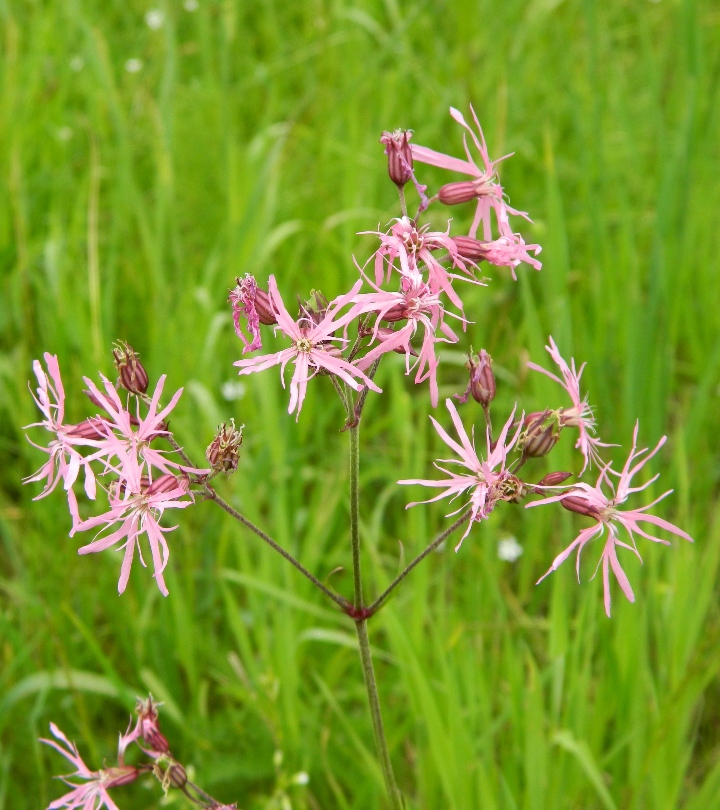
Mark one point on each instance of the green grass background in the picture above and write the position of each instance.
(248, 142)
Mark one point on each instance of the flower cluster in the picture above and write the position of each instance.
(116, 450)
(406, 297)
(92, 792)
(492, 480)
(417, 264)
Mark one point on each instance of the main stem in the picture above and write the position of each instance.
(396, 801)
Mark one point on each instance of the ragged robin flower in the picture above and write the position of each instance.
(313, 348)
(487, 479)
(592, 502)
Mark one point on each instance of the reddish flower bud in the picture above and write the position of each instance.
(150, 726)
(540, 443)
(264, 308)
(165, 483)
(538, 439)
(224, 450)
(456, 193)
(469, 248)
(93, 428)
(395, 313)
(133, 376)
(553, 479)
(581, 506)
(482, 379)
(397, 149)
(119, 775)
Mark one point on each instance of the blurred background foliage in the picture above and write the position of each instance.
(148, 160)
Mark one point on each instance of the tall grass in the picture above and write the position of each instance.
(247, 142)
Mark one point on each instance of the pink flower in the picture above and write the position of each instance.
(122, 441)
(580, 415)
(64, 460)
(415, 246)
(593, 503)
(489, 481)
(242, 299)
(138, 506)
(417, 303)
(485, 187)
(312, 349)
(92, 795)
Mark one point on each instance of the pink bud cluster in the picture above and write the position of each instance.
(117, 450)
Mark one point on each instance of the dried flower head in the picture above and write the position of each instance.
(133, 376)
(224, 450)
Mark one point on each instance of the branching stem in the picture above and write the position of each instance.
(380, 601)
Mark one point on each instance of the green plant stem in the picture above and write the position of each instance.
(223, 504)
(394, 795)
(355, 513)
(380, 601)
(396, 801)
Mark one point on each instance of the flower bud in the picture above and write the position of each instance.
(93, 428)
(553, 479)
(482, 379)
(456, 193)
(264, 308)
(133, 376)
(540, 443)
(165, 483)
(399, 155)
(119, 775)
(581, 506)
(538, 440)
(224, 450)
(150, 726)
(469, 248)
(398, 312)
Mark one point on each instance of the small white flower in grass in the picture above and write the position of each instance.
(154, 19)
(190, 5)
(509, 549)
(133, 65)
(64, 133)
(301, 778)
(232, 390)
(77, 63)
